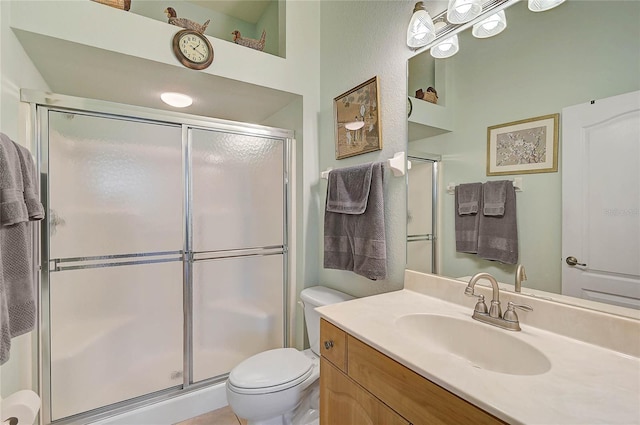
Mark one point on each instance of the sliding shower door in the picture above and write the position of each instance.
(164, 254)
(421, 214)
(115, 264)
(238, 211)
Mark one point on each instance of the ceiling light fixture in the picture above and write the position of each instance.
(461, 11)
(177, 100)
(491, 26)
(446, 48)
(542, 5)
(421, 30)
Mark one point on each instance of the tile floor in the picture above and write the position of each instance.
(223, 416)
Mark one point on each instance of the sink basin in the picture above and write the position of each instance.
(482, 345)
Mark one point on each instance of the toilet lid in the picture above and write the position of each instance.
(270, 369)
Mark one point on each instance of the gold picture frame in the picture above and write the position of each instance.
(357, 120)
(523, 147)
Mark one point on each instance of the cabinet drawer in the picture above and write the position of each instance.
(415, 398)
(333, 344)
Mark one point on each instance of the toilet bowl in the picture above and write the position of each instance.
(281, 386)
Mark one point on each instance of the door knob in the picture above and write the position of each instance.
(573, 261)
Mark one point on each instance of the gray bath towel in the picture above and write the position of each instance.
(467, 225)
(31, 199)
(357, 242)
(348, 189)
(468, 196)
(12, 207)
(17, 291)
(498, 235)
(495, 195)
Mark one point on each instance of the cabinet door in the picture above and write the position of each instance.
(344, 402)
(333, 344)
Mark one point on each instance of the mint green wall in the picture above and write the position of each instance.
(360, 40)
(540, 64)
(269, 22)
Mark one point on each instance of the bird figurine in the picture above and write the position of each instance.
(184, 22)
(249, 42)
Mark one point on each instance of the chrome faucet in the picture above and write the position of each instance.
(520, 276)
(494, 316)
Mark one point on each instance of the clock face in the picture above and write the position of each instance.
(192, 49)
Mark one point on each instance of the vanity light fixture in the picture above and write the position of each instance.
(461, 11)
(177, 100)
(542, 5)
(421, 30)
(491, 26)
(446, 48)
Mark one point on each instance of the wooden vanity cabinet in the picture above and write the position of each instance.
(367, 387)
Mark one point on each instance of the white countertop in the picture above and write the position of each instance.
(587, 384)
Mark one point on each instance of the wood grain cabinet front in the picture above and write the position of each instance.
(343, 402)
(333, 345)
(367, 387)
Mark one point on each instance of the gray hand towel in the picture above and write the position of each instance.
(495, 194)
(357, 242)
(467, 225)
(13, 210)
(498, 235)
(348, 189)
(35, 209)
(468, 195)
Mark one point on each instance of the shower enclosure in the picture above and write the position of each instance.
(422, 202)
(164, 252)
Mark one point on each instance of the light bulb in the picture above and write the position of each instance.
(177, 100)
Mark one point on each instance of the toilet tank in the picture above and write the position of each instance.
(317, 296)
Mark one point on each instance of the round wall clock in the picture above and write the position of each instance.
(192, 49)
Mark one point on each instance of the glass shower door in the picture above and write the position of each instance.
(115, 260)
(420, 249)
(239, 260)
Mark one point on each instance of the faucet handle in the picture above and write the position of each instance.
(510, 315)
(525, 307)
(480, 307)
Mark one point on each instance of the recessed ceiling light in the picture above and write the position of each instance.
(177, 100)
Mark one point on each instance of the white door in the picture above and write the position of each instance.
(601, 200)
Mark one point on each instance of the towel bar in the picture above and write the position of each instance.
(517, 184)
(398, 164)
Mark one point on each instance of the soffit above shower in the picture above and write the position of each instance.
(84, 71)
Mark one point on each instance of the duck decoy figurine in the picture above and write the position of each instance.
(184, 22)
(249, 42)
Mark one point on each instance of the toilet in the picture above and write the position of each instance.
(281, 386)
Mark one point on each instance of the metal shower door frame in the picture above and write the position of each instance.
(39, 105)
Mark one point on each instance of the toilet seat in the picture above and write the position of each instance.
(270, 371)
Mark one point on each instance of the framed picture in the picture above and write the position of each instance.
(357, 120)
(522, 147)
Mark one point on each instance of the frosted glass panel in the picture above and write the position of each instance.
(419, 198)
(116, 333)
(115, 186)
(238, 191)
(237, 311)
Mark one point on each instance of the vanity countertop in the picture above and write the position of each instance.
(586, 384)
